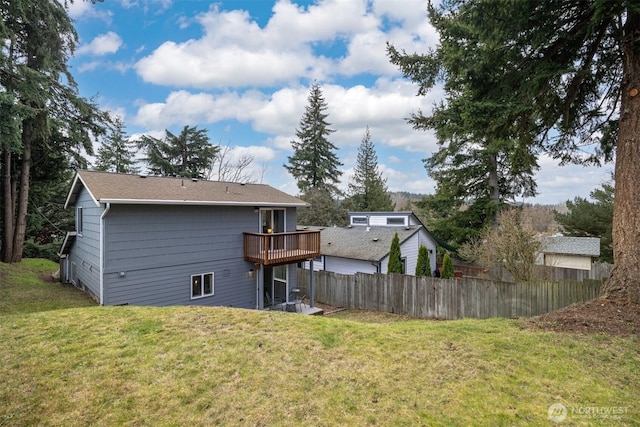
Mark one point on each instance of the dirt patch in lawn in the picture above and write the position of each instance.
(596, 316)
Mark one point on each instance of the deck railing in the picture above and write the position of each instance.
(281, 248)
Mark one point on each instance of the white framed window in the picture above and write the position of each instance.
(272, 221)
(280, 283)
(79, 220)
(201, 285)
(396, 220)
(360, 220)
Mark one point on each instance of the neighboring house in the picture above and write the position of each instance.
(363, 246)
(569, 252)
(173, 241)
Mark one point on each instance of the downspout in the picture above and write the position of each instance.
(104, 213)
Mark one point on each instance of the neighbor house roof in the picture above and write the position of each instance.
(363, 243)
(587, 246)
(106, 187)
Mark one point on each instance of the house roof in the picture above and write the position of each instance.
(106, 187)
(587, 246)
(358, 243)
(69, 238)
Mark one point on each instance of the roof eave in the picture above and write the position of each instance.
(199, 202)
(75, 190)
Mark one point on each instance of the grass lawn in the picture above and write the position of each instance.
(66, 361)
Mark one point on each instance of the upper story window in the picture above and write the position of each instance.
(79, 220)
(272, 221)
(359, 220)
(398, 220)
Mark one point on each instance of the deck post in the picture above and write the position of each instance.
(260, 285)
(311, 290)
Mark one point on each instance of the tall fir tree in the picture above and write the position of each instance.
(188, 154)
(43, 120)
(368, 190)
(117, 153)
(314, 163)
(478, 160)
(395, 256)
(560, 77)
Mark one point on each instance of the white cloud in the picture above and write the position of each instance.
(185, 107)
(383, 108)
(89, 66)
(88, 10)
(236, 52)
(557, 184)
(103, 44)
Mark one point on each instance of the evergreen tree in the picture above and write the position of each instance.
(395, 257)
(324, 210)
(314, 163)
(42, 117)
(447, 267)
(559, 77)
(477, 158)
(116, 154)
(423, 265)
(368, 190)
(188, 154)
(592, 218)
(455, 221)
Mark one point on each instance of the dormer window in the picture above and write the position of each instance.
(398, 220)
(359, 220)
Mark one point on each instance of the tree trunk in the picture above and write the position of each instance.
(23, 203)
(7, 208)
(624, 283)
(495, 189)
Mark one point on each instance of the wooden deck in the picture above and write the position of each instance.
(281, 248)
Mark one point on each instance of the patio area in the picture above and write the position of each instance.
(296, 307)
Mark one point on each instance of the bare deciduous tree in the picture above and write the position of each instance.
(229, 167)
(510, 246)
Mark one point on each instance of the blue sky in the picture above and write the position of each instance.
(242, 69)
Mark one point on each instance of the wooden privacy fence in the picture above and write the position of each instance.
(435, 298)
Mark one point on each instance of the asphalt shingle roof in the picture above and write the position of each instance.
(358, 243)
(588, 246)
(107, 187)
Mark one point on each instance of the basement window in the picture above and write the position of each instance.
(201, 285)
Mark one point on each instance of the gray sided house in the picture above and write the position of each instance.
(172, 241)
(363, 246)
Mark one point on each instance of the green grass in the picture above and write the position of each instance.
(27, 287)
(221, 366)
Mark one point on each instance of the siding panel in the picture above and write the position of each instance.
(151, 253)
(85, 252)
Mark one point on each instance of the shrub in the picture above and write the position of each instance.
(423, 266)
(447, 267)
(395, 257)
